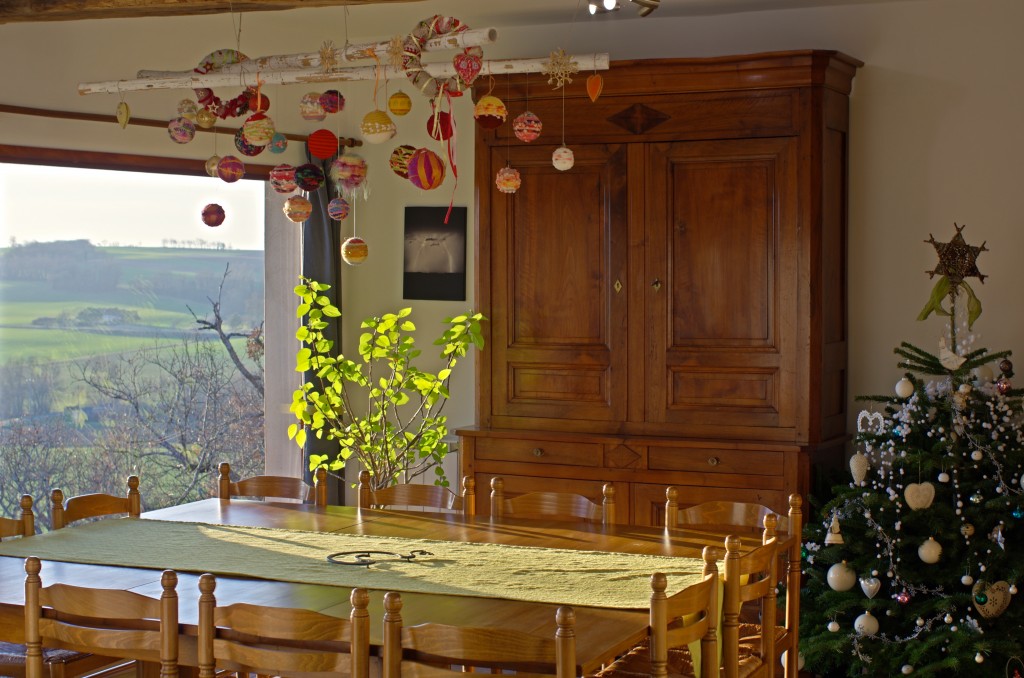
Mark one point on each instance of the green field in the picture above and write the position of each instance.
(159, 284)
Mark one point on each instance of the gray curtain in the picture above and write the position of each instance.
(321, 257)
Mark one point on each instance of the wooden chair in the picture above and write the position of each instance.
(687, 617)
(750, 577)
(552, 504)
(281, 641)
(433, 650)
(717, 513)
(424, 496)
(108, 620)
(282, 487)
(94, 505)
(24, 526)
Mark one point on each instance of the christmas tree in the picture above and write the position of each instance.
(912, 567)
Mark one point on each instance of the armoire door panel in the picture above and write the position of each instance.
(723, 325)
(559, 348)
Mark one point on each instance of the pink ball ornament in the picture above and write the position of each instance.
(332, 101)
(354, 251)
(282, 179)
(563, 158)
(181, 130)
(348, 171)
(508, 180)
(230, 169)
(309, 177)
(310, 107)
(213, 215)
(338, 209)
(527, 126)
(297, 208)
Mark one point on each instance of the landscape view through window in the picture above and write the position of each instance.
(131, 333)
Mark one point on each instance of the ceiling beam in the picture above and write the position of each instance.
(14, 11)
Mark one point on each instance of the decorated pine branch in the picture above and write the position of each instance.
(913, 566)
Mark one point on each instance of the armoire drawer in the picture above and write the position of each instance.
(744, 462)
(539, 451)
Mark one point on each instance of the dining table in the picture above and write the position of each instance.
(603, 631)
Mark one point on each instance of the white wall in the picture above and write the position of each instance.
(935, 137)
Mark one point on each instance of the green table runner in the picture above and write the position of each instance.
(565, 577)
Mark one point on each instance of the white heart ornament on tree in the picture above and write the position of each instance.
(919, 495)
(996, 597)
(870, 586)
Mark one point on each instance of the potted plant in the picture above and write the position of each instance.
(384, 412)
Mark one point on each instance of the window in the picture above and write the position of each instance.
(119, 313)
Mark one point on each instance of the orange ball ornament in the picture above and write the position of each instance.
(354, 251)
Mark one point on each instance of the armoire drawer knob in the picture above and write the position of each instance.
(712, 461)
(538, 452)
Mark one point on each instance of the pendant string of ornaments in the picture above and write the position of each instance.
(560, 68)
(934, 513)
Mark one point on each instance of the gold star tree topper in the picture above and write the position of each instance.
(957, 259)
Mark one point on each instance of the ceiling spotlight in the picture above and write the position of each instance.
(602, 6)
(645, 7)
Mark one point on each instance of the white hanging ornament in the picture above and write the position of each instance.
(833, 626)
(859, 466)
(841, 577)
(563, 159)
(977, 455)
(943, 477)
(979, 658)
(967, 580)
(930, 551)
(834, 536)
(866, 624)
(919, 495)
(870, 586)
(907, 669)
(904, 388)
(1013, 589)
(799, 660)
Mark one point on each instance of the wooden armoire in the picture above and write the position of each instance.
(672, 309)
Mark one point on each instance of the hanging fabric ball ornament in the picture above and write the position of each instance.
(354, 251)
(332, 101)
(508, 180)
(527, 126)
(258, 101)
(399, 162)
(439, 126)
(278, 143)
(244, 147)
(348, 171)
(258, 129)
(309, 177)
(563, 158)
(297, 208)
(490, 111)
(213, 215)
(282, 179)
(399, 103)
(866, 624)
(338, 209)
(206, 118)
(841, 577)
(377, 127)
(322, 144)
(929, 551)
(833, 626)
(904, 388)
(426, 169)
(181, 130)
(230, 169)
(211, 165)
(310, 107)
(188, 109)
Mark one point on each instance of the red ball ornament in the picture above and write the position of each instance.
(439, 126)
(426, 169)
(230, 169)
(508, 180)
(903, 597)
(282, 179)
(322, 144)
(213, 215)
(258, 101)
(527, 126)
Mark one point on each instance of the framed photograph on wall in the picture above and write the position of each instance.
(435, 254)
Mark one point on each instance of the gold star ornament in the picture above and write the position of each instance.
(957, 259)
(560, 67)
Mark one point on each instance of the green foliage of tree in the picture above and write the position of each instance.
(383, 411)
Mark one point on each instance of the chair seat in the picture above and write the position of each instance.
(637, 663)
(12, 654)
(750, 636)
